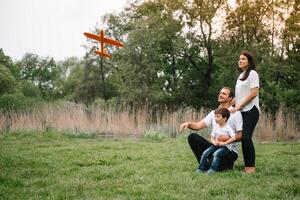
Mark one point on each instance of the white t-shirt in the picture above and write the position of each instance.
(235, 121)
(225, 130)
(242, 89)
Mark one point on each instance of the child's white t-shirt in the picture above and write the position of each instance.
(225, 130)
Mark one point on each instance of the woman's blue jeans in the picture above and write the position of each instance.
(216, 152)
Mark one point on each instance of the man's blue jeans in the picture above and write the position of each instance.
(216, 152)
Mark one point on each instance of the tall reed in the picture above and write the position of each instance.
(127, 121)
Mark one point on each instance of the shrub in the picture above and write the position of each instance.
(30, 90)
(7, 81)
(155, 135)
(16, 101)
(81, 134)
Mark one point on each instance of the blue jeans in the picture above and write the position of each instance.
(216, 152)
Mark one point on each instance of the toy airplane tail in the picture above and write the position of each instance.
(103, 54)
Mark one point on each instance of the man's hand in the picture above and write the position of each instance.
(216, 143)
(184, 126)
(222, 144)
(223, 138)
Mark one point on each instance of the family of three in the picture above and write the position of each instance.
(233, 121)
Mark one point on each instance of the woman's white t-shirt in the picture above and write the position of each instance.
(242, 89)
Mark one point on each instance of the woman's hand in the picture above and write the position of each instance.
(234, 109)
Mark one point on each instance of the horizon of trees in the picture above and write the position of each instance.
(177, 53)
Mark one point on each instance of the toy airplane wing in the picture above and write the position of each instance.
(105, 39)
(112, 42)
(93, 36)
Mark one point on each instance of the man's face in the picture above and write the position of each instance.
(224, 96)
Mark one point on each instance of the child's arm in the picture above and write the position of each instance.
(230, 140)
(232, 137)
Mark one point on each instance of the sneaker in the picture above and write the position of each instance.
(198, 171)
(210, 172)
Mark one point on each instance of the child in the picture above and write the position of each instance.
(218, 149)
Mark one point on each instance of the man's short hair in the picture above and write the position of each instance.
(224, 112)
(231, 92)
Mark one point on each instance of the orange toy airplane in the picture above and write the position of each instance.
(103, 40)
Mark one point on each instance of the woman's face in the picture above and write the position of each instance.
(243, 62)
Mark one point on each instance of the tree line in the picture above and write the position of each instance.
(177, 53)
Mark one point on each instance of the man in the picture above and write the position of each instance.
(199, 144)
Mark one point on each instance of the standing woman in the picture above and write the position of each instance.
(246, 101)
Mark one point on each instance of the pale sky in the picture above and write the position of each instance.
(50, 27)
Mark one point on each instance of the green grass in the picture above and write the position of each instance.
(56, 166)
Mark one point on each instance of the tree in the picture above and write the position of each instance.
(8, 63)
(8, 83)
(200, 17)
(41, 71)
(149, 66)
(70, 76)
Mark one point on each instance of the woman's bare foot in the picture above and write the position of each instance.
(249, 170)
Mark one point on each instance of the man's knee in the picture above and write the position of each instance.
(192, 137)
(227, 162)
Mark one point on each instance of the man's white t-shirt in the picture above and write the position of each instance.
(235, 121)
(242, 89)
(225, 130)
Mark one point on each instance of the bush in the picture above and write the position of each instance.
(154, 135)
(81, 134)
(16, 101)
(30, 90)
(7, 81)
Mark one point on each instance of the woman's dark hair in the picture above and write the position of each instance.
(251, 64)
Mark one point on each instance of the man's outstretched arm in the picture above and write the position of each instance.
(192, 125)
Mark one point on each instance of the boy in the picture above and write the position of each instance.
(218, 149)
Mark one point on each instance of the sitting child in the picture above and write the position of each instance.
(219, 149)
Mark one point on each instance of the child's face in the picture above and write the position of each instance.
(219, 119)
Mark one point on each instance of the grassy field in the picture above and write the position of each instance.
(56, 166)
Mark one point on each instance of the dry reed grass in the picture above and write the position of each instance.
(125, 122)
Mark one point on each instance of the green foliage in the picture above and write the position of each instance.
(7, 82)
(71, 73)
(54, 166)
(8, 63)
(155, 135)
(17, 101)
(291, 98)
(41, 71)
(30, 90)
(82, 135)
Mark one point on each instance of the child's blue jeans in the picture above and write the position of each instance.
(216, 152)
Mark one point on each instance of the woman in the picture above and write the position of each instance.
(246, 101)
